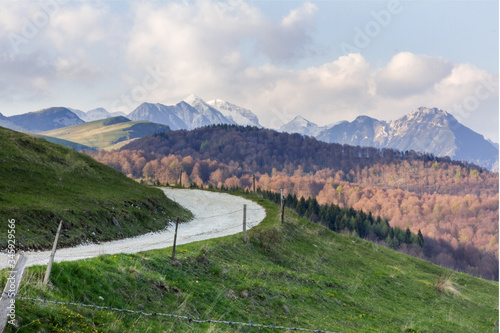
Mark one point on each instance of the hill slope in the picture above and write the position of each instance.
(296, 274)
(42, 183)
(65, 143)
(107, 133)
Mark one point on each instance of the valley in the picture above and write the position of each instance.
(454, 204)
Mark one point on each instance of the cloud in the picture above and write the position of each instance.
(409, 74)
(291, 39)
(221, 49)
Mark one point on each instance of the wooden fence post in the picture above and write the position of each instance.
(52, 254)
(254, 184)
(175, 238)
(282, 208)
(244, 222)
(8, 298)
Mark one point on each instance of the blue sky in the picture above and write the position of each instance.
(325, 60)
(460, 31)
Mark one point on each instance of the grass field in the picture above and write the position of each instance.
(43, 183)
(298, 274)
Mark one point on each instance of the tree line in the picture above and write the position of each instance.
(355, 222)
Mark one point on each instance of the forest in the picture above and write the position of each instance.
(453, 204)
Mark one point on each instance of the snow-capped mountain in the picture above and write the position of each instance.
(428, 130)
(213, 115)
(96, 114)
(194, 112)
(158, 113)
(302, 126)
(237, 114)
(43, 120)
(363, 131)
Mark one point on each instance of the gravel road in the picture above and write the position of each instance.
(215, 215)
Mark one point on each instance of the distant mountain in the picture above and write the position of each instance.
(363, 131)
(494, 144)
(5, 122)
(428, 130)
(237, 114)
(175, 116)
(193, 112)
(43, 120)
(302, 126)
(213, 115)
(96, 114)
(109, 133)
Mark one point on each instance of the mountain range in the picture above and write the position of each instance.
(96, 114)
(429, 130)
(193, 112)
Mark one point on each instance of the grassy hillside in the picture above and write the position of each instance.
(297, 275)
(65, 143)
(42, 183)
(110, 133)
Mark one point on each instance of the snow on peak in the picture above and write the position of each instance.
(193, 99)
(239, 115)
(300, 125)
(301, 121)
(424, 111)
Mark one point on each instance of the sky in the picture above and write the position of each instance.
(325, 60)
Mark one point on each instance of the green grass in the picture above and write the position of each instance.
(110, 133)
(42, 183)
(66, 143)
(298, 274)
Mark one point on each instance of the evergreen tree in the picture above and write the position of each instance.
(420, 241)
(408, 236)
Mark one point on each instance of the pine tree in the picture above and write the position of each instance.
(408, 236)
(420, 241)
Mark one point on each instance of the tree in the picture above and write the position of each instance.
(408, 236)
(420, 238)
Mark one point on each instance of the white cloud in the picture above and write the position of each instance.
(410, 74)
(210, 48)
(300, 16)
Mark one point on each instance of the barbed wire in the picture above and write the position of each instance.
(26, 239)
(196, 217)
(170, 315)
(219, 215)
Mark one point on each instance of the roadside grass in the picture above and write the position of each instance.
(43, 183)
(298, 274)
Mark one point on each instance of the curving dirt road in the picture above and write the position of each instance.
(215, 215)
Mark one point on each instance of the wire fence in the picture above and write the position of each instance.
(50, 235)
(169, 315)
(158, 314)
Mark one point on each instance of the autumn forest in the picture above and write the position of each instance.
(455, 205)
